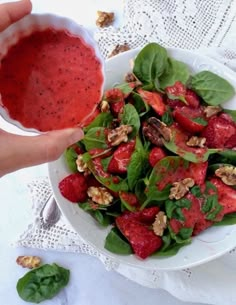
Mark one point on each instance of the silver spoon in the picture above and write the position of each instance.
(50, 213)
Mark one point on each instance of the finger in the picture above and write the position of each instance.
(13, 11)
(22, 151)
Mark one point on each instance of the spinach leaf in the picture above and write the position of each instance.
(154, 195)
(150, 63)
(171, 250)
(104, 119)
(95, 138)
(42, 283)
(178, 145)
(137, 165)
(139, 104)
(116, 243)
(130, 117)
(229, 155)
(228, 219)
(99, 213)
(167, 118)
(175, 71)
(213, 89)
(71, 156)
(125, 88)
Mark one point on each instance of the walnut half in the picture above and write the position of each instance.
(196, 142)
(119, 134)
(160, 223)
(99, 195)
(227, 174)
(180, 188)
(104, 19)
(28, 261)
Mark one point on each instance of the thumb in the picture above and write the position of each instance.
(13, 11)
(22, 151)
(52, 144)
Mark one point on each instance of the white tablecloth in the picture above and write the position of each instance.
(90, 283)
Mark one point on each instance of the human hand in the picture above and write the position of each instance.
(16, 151)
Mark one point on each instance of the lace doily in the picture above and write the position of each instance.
(210, 27)
(186, 24)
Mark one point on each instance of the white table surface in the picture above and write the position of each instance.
(92, 283)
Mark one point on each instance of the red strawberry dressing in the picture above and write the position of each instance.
(50, 80)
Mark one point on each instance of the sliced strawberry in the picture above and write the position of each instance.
(192, 99)
(226, 196)
(174, 103)
(153, 99)
(116, 99)
(148, 215)
(98, 168)
(121, 158)
(218, 132)
(191, 120)
(191, 215)
(177, 90)
(143, 240)
(74, 187)
(202, 224)
(130, 198)
(117, 107)
(231, 142)
(197, 171)
(155, 155)
(114, 95)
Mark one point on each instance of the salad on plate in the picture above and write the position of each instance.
(157, 164)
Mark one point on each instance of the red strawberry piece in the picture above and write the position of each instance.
(202, 224)
(231, 142)
(153, 99)
(226, 196)
(177, 90)
(148, 215)
(191, 215)
(197, 171)
(77, 149)
(192, 99)
(98, 168)
(117, 107)
(143, 240)
(121, 158)
(191, 120)
(130, 198)
(74, 187)
(115, 97)
(92, 181)
(218, 132)
(174, 103)
(155, 155)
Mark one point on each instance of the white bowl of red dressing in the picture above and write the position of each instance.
(51, 73)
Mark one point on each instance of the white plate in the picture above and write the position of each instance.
(209, 245)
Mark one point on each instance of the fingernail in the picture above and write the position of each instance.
(75, 134)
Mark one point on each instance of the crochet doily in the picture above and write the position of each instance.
(210, 27)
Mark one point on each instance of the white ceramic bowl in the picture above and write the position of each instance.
(40, 22)
(209, 245)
